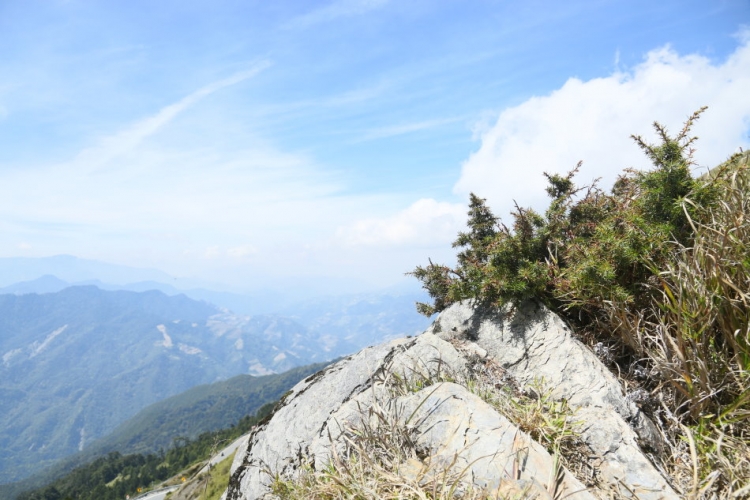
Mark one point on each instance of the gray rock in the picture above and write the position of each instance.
(455, 428)
(466, 433)
(536, 347)
(281, 444)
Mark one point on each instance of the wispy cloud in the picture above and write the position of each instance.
(336, 10)
(125, 140)
(406, 128)
(165, 174)
(346, 100)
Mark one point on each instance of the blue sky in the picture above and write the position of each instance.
(334, 142)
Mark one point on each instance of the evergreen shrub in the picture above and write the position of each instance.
(658, 269)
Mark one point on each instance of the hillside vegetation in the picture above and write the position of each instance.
(176, 421)
(655, 276)
(115, 475)
(201, 409)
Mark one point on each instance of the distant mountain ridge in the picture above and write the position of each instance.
(249, 303)
(74, 269)
(50, 274)
(76, 363)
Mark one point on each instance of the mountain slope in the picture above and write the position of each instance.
(205, 408)
(75, 364)
(200, 409)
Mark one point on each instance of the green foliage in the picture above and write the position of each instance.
(588, 249)
(496, 264)
(658, 265)
(115, 475)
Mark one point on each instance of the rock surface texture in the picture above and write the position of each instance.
(454, 430)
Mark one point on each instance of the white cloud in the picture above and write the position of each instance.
(424, 223)
(593, 120)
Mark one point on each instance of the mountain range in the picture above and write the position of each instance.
(77, 361)
(204, 408)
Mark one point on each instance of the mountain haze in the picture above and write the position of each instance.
(76, 363)
(74, 269)
(204, 408)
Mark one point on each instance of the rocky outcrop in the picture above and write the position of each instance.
(421, 383)
(533, 344)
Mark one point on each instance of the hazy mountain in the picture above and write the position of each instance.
(204, 408)
(345, 324)
(76, 363)
(33, 274)
(255, 299)
(259, 302)
(73, 269)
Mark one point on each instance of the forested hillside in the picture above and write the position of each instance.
(200, 409)
(175, 422)
(116, 475)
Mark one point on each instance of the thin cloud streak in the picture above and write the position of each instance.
(334, 11)
(128, 139)
(288, 111)
(406, 128)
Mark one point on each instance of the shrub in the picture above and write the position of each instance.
(659, 265)
(589, 249)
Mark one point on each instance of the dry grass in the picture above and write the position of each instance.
(380, 458)
(695, 339)
(701, 340)
(532, 409)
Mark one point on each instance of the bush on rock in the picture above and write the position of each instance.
(658, 270)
